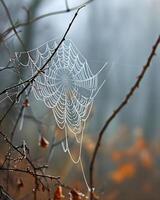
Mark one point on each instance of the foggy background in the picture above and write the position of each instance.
(118, 32)
(122, 33)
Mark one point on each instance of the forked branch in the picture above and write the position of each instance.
(41, 70)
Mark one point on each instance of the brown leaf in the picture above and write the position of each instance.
(26, 103)
(58, 194)
(74, 195)
(43, 142)
(43, 188)
(19, 183)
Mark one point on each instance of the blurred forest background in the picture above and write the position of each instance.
(121, 33)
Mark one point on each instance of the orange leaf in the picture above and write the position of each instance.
(124, 172)
(58, 194)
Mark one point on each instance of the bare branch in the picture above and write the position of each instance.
(41, 70)
(23, 171)
(118, 109)
(67, 6)
(47, 15)
(7, 67)
(12, 24)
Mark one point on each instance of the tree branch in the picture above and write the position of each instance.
(23, 171)
(12, 24)
(118, 109)
(41, 70)
(47, 15)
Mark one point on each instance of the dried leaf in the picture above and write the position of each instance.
(19, 183)
(58, 194)
(74, 195)
(43, 142)
(43, 188)
(124, 172)
(26, 103)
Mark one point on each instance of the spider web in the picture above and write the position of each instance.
(67, 86)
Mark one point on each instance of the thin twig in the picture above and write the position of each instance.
(20, 113)
(28, 83)
(13, 131)
(15, 148)
(118, 109)
(15, 86)
(35, 169)
(41, 70)
(67, 6)
(7, 67)
(23, 171)
(12, 24)
(24, 156)
(47, 15)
